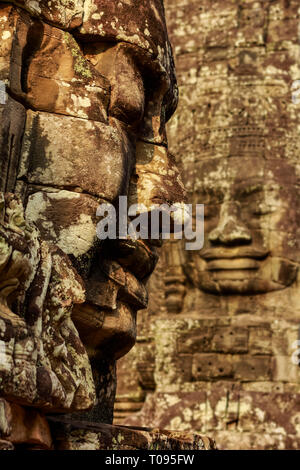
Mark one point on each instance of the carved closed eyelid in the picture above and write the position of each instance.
(263, 209)
(210, 196)
(241, 193)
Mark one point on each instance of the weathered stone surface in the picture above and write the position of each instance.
(29, 427)
(6, 30)
(12, 121)
(154, 167)
(232, 308)
(53, 155)
(18, 31)
(5, 418)
(59, 79)
(62, 14)
(268, 420)
(6, 445)
(72, 435)
(139, 23)
(43, 367)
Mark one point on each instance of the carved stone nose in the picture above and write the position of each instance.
(230, 230)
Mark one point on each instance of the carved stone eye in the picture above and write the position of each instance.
(263, 209)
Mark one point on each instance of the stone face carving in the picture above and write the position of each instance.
(251, 222)
(217, 350)
(86, 89)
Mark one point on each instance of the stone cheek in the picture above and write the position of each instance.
(63, 217)
(68, 152)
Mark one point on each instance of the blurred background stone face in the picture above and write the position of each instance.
(85, 94)
(216, 347)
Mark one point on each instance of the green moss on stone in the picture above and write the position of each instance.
(81, 65)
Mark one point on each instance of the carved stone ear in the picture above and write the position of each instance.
(12, 121)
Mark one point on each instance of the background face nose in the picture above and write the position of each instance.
(230, 229)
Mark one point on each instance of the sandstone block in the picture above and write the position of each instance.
(211, 366)
(230, 340)
(68, 152)
(269, 412)
(248, 368)
(197, 341)
(260, 341)
(284, 370)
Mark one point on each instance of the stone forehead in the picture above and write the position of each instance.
(138, 22)
(240, 170)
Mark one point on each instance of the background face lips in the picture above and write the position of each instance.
(233, 264)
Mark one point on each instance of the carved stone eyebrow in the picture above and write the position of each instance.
(244, 190)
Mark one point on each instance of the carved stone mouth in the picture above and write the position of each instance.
(131, 289)
(136, 256)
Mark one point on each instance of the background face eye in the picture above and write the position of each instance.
(211, 217)
(256, 205)
(255, 213)
(261, 209)
(253, 203)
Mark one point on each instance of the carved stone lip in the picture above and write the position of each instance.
(137, 256)
(232, 264)
(221, 253)
(130, 288)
